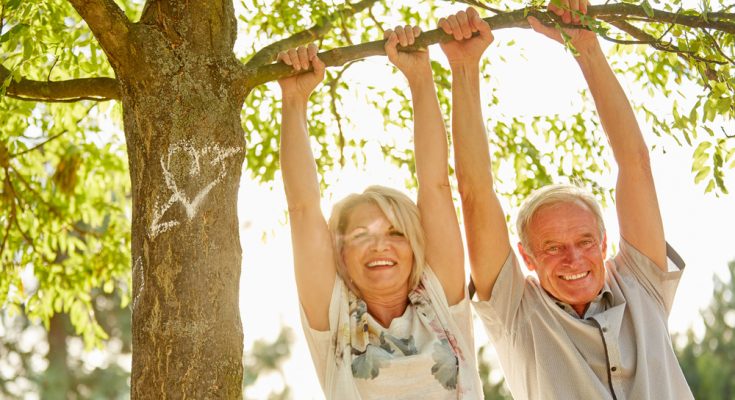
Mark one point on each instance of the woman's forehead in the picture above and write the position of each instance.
(367, 214)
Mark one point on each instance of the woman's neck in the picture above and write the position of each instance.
(385, 308)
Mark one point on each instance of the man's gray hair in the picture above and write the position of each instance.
(554, 194)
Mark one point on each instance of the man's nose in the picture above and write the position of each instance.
(573, 254)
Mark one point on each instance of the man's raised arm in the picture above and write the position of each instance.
(635, 196)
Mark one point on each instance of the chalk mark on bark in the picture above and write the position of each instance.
(191, 205)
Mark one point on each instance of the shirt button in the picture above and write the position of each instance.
(613, 369)
(604, 329)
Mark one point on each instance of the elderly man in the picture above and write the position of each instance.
(583, 328)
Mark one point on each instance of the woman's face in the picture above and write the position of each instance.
(378, 257)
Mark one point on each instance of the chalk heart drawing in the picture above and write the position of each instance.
(187, 162)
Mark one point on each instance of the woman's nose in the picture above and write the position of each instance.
(379, 242)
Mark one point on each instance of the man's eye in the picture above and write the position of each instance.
(586, 243)
(552, 249)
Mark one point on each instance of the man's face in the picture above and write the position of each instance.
(567, 253)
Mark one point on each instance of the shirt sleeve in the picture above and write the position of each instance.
(320, 342)
(660, 285)
(499, 312)
(462, 316)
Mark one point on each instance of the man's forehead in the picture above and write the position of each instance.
(563, 219)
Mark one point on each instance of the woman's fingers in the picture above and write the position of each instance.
(301, 58)
(294, 57)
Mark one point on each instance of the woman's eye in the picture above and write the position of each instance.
(357, 235)
(397, 233)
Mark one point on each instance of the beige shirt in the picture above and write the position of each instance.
(427, 353)
(620, 350)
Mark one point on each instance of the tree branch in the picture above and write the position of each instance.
(254, 76)
(268, 53)
(645, 38)
(623, 10)
(109, 25)
(98, 89)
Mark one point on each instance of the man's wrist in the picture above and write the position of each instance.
(589, 52)
(464, 66)
(420, 76)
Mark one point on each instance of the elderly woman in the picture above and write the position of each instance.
(381, 286)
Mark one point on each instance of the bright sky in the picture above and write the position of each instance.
(699, 226)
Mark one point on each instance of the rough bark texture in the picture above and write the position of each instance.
(186, 150)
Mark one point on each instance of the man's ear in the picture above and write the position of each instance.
(604, 245)
(526, 258)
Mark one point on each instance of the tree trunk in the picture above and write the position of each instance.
(186, 149)
(57, 379)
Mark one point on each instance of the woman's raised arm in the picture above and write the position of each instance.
(444, 250)
(314, 262)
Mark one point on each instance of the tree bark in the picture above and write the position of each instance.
(186, 151)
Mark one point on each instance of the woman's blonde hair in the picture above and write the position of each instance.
(402, 213)
(554, 194)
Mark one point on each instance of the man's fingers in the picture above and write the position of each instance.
(456, 31)
(401, 33)
(464, 24)
(410, 38)
(390, 44)
(555, 7)
(416, 31)
(541, 28)
(283, 56)
(481, 26)
(444, 25)
(583, 6)
(574, 8)
(319, 66)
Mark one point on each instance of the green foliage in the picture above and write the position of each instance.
(65, 188)
(709, 362)
(493, 383)
(267, 358)
(64, 198)
(68, 372)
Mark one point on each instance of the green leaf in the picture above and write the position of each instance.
(16, 30)
(647, 8)
(703, 173)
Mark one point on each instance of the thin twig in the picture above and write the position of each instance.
(645, 37)
(39, 145)
(483, 6)
(50, 70)
(717, 47)
(375, 20)
(333, 106)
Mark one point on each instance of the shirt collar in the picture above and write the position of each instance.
(599, 304)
